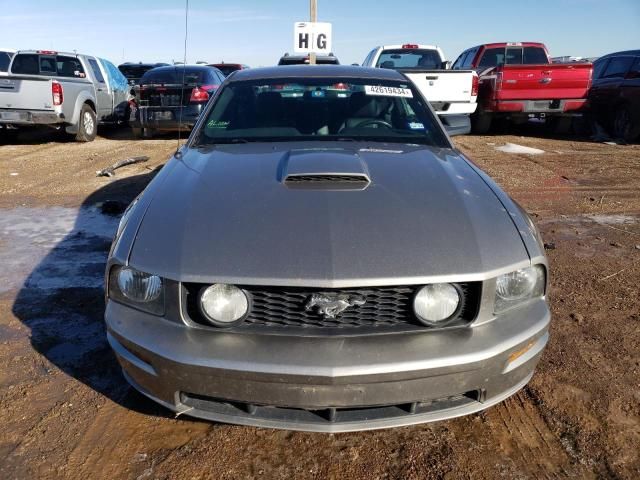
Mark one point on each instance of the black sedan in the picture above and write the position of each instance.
(171, 98)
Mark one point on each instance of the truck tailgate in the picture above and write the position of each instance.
(548, 82)
(443, 85)
(26, 93)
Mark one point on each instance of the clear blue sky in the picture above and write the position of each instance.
(257, 32)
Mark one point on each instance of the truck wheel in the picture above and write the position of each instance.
(87, 124)
(560, 125)
(623, 124)
(481, 122)
(8, 135)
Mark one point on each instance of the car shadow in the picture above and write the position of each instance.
(62, 299)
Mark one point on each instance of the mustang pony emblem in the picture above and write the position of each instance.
(332, 305)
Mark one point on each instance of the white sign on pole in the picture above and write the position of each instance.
(312, 37)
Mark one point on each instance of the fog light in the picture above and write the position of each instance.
(224, 305)
(436, 303)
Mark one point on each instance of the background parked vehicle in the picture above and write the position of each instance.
(6, 54)
(287, 59)
(518, 81)
(448, 92)
(227, 68)
(135, 71)
(166, 102)
(614, 97)
(62, 90)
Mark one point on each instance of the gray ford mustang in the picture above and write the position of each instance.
(320, 257)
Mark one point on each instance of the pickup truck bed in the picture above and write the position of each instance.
(28, 100)
(452, 94)
(448, 91)
(535, 88)
(518, 81)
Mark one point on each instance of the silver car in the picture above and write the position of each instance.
(325, 262)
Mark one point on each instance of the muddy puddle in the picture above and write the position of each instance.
(53, 247)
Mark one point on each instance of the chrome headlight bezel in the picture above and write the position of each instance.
(430, 322)
(519, 286)
(155, 304)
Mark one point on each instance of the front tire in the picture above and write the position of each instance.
(87, 124)
(624, 126)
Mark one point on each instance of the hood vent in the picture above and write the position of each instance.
(324, 169)
(328, 180)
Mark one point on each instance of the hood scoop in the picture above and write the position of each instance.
(324, 169)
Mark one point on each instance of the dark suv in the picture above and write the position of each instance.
(614, 97)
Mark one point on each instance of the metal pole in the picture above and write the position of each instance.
(313, 13)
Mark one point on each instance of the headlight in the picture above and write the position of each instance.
(435, 304)
(137, 289)
(516, 287)
(224, 305)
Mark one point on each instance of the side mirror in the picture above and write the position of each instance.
(456, 124)
(446, 65)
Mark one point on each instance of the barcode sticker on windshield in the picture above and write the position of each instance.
(388, 91)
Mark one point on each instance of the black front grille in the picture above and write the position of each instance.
(384, 308)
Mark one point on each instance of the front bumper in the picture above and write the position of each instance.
(30, 117)
(165, 118)
(328, 384)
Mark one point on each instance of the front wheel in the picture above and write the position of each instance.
(624, 126)
(87, 124)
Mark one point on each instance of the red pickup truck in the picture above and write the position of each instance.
(518, 81)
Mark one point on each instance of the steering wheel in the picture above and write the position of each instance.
(374, 121)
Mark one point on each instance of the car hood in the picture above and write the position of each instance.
(413, 214)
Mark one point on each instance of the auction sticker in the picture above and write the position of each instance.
(388, 91)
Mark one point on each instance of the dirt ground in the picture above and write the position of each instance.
(66, 411)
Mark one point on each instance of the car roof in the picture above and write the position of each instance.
(316, 71)
(509, 44)
(624, 52)
(45, 51)
(189, 67)
(402, 47)
(143, 64)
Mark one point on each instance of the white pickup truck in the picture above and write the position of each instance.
(450, 92)
(67, 90)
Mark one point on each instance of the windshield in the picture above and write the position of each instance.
(320, 109)
(410, 58)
